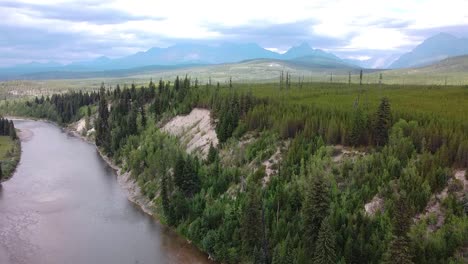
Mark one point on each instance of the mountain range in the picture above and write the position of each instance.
(433, 49)
(177, 56)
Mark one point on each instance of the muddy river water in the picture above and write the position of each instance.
(64, 205)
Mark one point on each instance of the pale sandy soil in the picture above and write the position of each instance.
(434, 206)
(374, 206)
(273, 161)
(195, 130)
(344, 152)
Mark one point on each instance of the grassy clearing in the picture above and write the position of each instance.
(10, 151)
(6, 144)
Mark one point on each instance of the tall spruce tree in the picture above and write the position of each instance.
(399, 249)
(143, 117)
(251, 224)
(325, 252)
(358, 128)
(179, 171)
(103, 135)
(167, 208)
(12, 130)
(383, 122)
(315, 209)
(212, 154)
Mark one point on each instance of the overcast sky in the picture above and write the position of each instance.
(71, 30)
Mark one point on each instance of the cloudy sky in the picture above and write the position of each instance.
(73, 30)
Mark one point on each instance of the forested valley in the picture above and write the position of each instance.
(341, 148)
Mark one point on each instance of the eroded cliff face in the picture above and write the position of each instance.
(195, 130)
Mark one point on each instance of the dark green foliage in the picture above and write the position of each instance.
(186, 175)
(382, 123)
(399, 249)
(212, 154)
(316, 206)
(358, 135)
(325, 246)
(7, 128)
(143, 117)
(103, 132)
(251, 225)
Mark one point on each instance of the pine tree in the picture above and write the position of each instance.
(358, 128)
(191, 182)
(103, 136)
(143, 117)
(12, 131)
(325, 252)
(132, 127)
(382, 122)
(165, 201)
(212, 154)
(179, 171)
(399, 249)
(315, 209)
(251, 226)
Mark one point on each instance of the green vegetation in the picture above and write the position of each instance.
(312, 207)
(449, 72)
(10, 150)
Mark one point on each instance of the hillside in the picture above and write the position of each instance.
(450, 71)
(288, 164)
(433, 49)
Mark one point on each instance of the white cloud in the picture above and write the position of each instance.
(358, 25)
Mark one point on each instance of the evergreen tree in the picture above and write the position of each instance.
(212, 154)
(251, 223)
(103, 133)
(12, 130)
(179, 171)
(382, 123)
(191, 182)
(399, 249)
(325, 246)
(143, 117)
(315, 209)
(165, 200)
(358, 128)
(132, 127)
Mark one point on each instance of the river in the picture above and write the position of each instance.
(64, 205)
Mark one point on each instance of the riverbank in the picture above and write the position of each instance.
(131, 188)
(10, 155)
